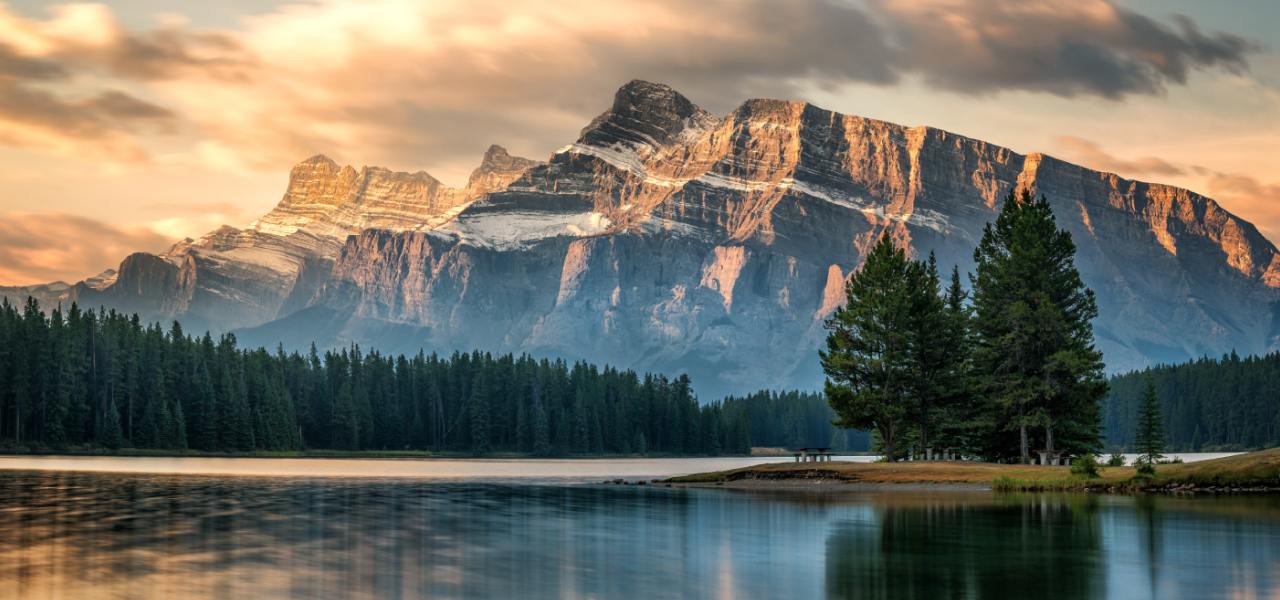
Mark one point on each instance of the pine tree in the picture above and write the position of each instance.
(346, 428)
(112, 437)
(204, 416)
(541, 426)
(1149, 437)
(935, 353)
(151, 427)
(868, 361)
(1034, 354)
(478, 413)
(178, 428)
(959, 417)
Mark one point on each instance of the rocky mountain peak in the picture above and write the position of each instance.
(318, 160)
(646, 114)
(497, 170)
(497, 159)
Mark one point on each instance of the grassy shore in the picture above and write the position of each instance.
(1253, 471)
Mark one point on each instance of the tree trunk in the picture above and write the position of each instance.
(1022, 433)
(1048, 437)
(886, 436)
(924, 429)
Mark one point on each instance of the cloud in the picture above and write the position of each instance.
(1093, 156)
(1243, 192)
(87, 37)
(63, 80)
(38, 248)
(1079, 48)
(194, 219)
(409, 83)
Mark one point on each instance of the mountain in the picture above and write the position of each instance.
(666, 238)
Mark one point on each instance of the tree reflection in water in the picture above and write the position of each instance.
(82, 535)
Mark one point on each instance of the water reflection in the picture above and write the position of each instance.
(1022, 547)
(83, 535)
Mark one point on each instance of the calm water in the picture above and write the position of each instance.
(70, 534)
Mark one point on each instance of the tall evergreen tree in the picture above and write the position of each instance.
(478, 413)
(1149, 437)
(960, 420)
(1034, 351)
(939, 354)
(112, 437)
(869, 359)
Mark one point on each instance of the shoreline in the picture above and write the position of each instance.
(835, 485)
(365, 454)
(1252, 472)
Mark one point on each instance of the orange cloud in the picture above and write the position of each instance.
(39, 248)
(1245, 193)
(408, 84)
(76, 83)
(1093, 156)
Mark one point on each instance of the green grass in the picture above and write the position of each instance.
(1069, 484)
(1252, 471)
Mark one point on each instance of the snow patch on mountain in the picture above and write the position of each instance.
(516, 229)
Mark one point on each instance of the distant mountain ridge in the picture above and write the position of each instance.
(666, 238)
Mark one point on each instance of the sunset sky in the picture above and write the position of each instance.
(128, 125)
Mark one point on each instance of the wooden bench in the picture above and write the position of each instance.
(813, 454)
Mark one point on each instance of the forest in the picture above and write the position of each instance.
(1211, 404)
(83, 379)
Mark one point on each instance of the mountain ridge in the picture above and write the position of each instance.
(667, 238)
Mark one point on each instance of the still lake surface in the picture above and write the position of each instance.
(310, 528)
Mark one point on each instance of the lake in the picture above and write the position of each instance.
(548, 529)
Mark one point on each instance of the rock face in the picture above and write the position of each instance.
(233, 278)
(668, 239)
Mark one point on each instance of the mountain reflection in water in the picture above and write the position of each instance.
(82, 535)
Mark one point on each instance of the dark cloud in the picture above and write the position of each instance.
(24, 100)
(62, 81)
(1093, 156)
(16, 66)
(102, 115)
(37, 248)
(1083, 47)
(414, 85)
(164, 54)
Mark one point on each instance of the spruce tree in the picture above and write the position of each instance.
(345, 433)
(478, 413)
(939, 354)
(111, 434)
(959, 418)
(1149, 437)
(1034, 354)
(869, 357)
(541, 426)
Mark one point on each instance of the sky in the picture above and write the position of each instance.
(128, 125)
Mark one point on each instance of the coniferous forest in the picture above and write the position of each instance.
(1000, 371)
(102, 379)
(1211, 404)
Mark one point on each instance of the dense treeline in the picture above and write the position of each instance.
(78, 378)
(793, 420)
(1000, 372)
(1230, 403)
